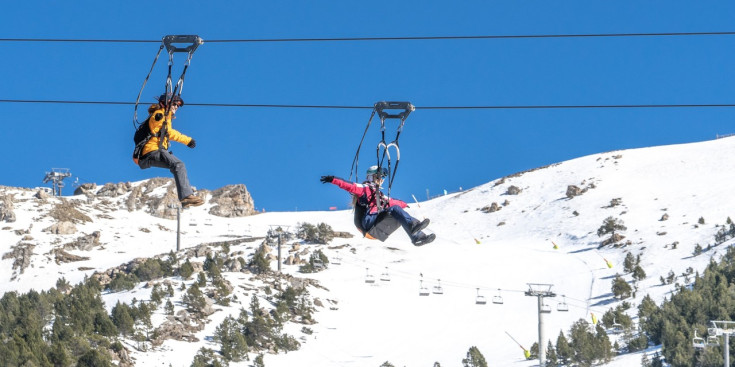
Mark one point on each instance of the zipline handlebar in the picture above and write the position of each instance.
(193, 40)
(407, 108)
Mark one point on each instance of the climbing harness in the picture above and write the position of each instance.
(170, 43)
(385, 110)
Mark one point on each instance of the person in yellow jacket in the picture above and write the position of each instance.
(156, 154)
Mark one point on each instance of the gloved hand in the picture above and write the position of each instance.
(326, 179)
(158, 116)
(192, 144)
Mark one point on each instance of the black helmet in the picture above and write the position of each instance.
(375, 170)
(167, 96)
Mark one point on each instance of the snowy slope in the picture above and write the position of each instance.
(363, 324)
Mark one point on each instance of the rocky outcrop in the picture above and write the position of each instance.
(513, 190)
(113, 190)
(62, 256)
(573, 190)
(6, 209)
(84, 243)
(181, 327)
(62, 228)
(21, 254)
(232, 201)
(492, 208)
(86, 189)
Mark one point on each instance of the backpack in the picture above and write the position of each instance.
(141, 137)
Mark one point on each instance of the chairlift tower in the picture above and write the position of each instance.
(56, 177)
(541, 291)
(278, 231)
(719, 328)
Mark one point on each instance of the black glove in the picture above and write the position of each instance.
(192, 144)
(158, 116)
(326, 179)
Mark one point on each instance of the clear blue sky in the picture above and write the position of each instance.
(281, 153)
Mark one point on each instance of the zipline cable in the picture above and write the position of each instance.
(489, 107)
(402, 38)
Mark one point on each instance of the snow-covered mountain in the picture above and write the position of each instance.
(492, 241)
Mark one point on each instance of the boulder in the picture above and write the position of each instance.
(85, 189)
(232, 201)
(573, 190)
(63, 227)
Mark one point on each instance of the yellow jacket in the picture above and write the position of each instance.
(155, 122)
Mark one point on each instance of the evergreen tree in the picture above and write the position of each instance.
(169, 308)
(629, 263)
(122, 319)
(186, 269)
(563, 349)
(474, 358)
(232, 343)
(258, 361)
(638, 273)
(194, 298)
(583, 344)
(551, 359)
(610, 225)
(621, 288)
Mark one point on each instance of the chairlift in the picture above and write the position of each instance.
(385, 276)
(192, 223)
(369, 278)
(698, 342)
(480, 299)
(498, 300)
(545, 308)
(713, 341)
(337, 261)
(208, 222)
(423, 291)
(617, 328)
(563, 306)
(438, 288)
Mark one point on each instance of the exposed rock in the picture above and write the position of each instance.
(573, 190)
(85, 243)
(61, 228)
(113, 190)
(494, 207)
(41, 195)
(338, 234)
(164, 207)
(513, 190)
(22, 253)
(85, 189)
(66, 211)
(616, 237)
(65, 257)
(181, 327)
(6, 209)
(232, 201)
(664, 217)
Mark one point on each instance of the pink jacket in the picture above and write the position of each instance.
(364, 193)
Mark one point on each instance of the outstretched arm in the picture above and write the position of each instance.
(351, 187)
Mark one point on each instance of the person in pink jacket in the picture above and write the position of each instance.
(369, 196)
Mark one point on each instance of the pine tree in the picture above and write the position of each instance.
(551, 359)
(232, 343)
(122, 319)
(474, 358)
(186, 269)
(629, 263)
(610, 225)
(563, 349)
(621, 288)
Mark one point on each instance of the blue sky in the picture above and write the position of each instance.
(279, 154)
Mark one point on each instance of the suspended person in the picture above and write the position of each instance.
(155, 152)
(368, 196)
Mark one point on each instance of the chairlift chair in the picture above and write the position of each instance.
(563, 306)
(369, 278)
(617, 328)
(438, 288)
(337, 261)
(545, 308)
(423, 291)
(498, 300)
(713, 340)
(385, 276)
(480, 299)
(698, 342)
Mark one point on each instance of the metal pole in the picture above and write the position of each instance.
(727, 349)
(541, 336)
(178, 228)
(279, 252)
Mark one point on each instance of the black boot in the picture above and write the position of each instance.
(422, 239)
(417, 226)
